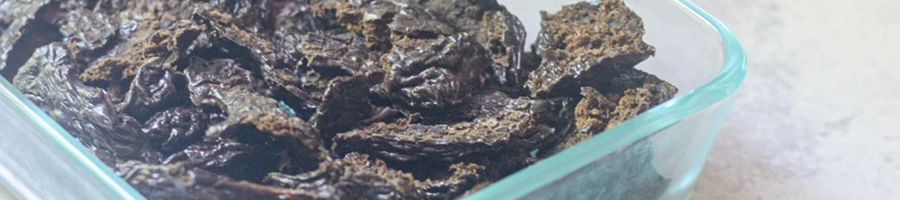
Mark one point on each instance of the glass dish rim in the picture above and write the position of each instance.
(516, 185)
(723, 85)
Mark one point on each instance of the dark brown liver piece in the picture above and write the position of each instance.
(586, 42)
(325, 99)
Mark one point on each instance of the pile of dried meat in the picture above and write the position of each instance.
(319, 99)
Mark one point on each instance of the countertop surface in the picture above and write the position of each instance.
(817, 116)
(819, 112)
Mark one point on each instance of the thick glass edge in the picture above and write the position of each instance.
(85, 160)
(726, 82)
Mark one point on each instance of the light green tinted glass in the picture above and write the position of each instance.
(660, 153)
(40, 160)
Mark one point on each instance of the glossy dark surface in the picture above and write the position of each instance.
(277, 99)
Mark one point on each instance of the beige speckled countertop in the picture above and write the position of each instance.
(818, 116)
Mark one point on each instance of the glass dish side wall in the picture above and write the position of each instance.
(664, 165)
(40, 160)
(50, 164)
(660, 153)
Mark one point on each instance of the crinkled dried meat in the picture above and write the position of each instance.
(483, 103)
(22, 37)
(353, 177)
(415, 21)
(240, 158)
(368, 19)
(164, 44)
(584, 42)
(592, 114)
(637, 100)
(254, 141)
(291, 24)
(175, 128)
(236, 41)
(623, 79)
(356, 176)
(11, 10)
(48, 79)
(493, 27)
(344, 105)
(179, 181)
(597, 112)
(87, 30)
(325, 58)
(434, 73)
(254, 51)
(295, 17)
(521, 124)
(207, 78)
(248, 14)
(463, 176)
(422, 86)
(151, 90)
(250, 111)
(344, 53)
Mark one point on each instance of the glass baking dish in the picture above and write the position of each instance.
(656, 155)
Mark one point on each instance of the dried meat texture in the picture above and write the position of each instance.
(483, 103)
(434, 73)
(592, 114)
(368, 19)
(415, 21)
(597, 112)
(495, 28)
(255, 52)
(180, 181)
(268, 140)
(463, 177)
(344, 105)
(88, 31)
(250, 15)
(355, 176)
(49, 80)
(585, 42)
(249, 156)
(637, 100)
(291, 24)
(624, 79)
(29, 27)
(12, 10)
(245, 107)
(174, 129)
(250, 48)
(163, 44)
(152, 89)
(381, 22)
(324, 58)
(432, 89)
(138, 22)
(340, 54)
(249, 112)
(207, 78)
(294, 17)
(521, 125)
